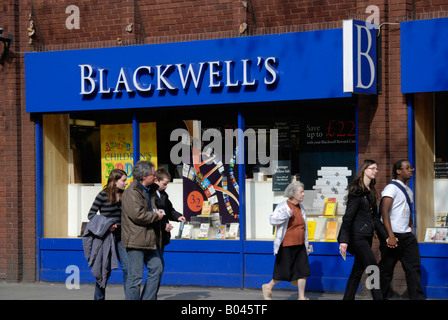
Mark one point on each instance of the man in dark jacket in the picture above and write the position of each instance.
(141, 234)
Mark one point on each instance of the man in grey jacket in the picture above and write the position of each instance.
(141, 233)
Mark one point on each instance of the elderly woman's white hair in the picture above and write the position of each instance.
(291, 189)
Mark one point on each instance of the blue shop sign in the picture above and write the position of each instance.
(293, 66)
(424, 56)
(360, 47)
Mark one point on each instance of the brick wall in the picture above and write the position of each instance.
(382, 118)
(17, 172)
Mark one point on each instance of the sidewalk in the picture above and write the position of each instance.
(58, 291)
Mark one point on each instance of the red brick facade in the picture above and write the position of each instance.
(382, 118)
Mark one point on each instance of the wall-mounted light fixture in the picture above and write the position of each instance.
(6, 44)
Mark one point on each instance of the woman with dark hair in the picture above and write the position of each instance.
(360, 221)
(108, 203)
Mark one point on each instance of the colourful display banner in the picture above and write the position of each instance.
(117, 151)
(210, 181)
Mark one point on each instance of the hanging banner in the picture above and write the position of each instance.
(359, 57)
(424, 55)
(116, 147)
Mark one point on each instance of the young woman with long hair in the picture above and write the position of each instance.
(360, 221)
(108, 203)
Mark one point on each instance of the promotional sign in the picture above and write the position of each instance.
(116, 147)
(280, 67)
(359, 44)
(282, 176)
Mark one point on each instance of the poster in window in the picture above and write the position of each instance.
(117, 147)
(210, 177)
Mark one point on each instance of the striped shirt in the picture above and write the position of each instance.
(106, 209)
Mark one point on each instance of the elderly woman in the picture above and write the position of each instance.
(291, 242)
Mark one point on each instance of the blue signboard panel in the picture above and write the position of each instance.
(424, 56)
(360, 57)
(303, 65)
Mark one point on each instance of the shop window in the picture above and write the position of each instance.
(315, 144)
(437, 232)
(283, 143)
(56, 178)
(80, 150)
(205, 187)
(85, 166)
(431, 166)
(441, 130)
(73, 166)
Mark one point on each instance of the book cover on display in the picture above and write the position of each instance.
(329, 207)
(331, 231)
(441, 220)
(221, 232)
(430, 235)
(311, 229)
(203, 231)
(233, 230)
(181, 229)
(186, 232)
(206, 208)
(441, 234)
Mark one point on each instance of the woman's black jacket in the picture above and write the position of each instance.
(361, 218)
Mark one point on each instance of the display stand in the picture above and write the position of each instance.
(332, 183)
(330, 203)
(205, 226)
(322, 224)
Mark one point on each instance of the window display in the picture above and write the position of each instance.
(312, 145)
(434, 227)
(317, 146)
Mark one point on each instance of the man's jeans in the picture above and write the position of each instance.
(153, 260)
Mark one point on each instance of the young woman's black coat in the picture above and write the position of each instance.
(361, 218)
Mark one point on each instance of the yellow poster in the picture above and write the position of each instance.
(117, 147)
